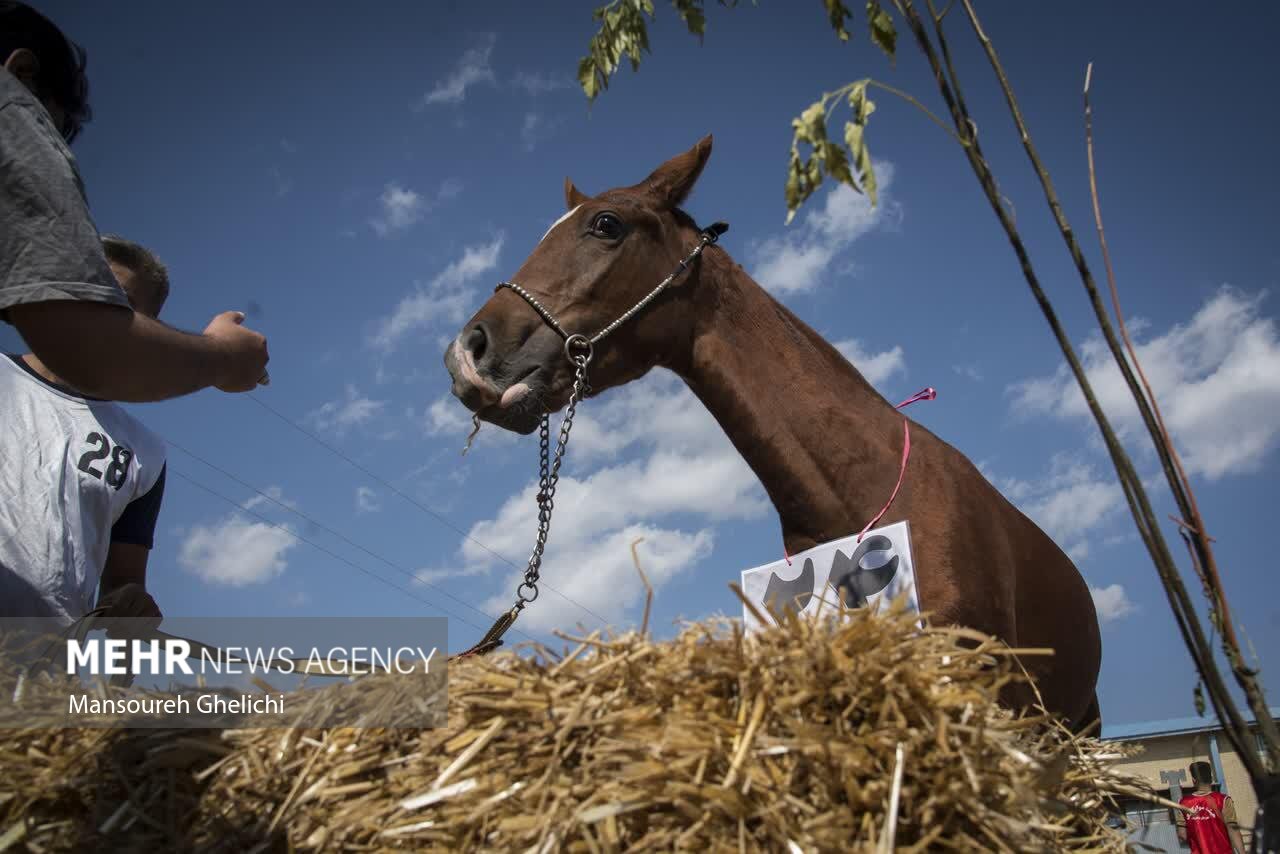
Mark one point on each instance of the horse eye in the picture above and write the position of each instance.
(608, 226)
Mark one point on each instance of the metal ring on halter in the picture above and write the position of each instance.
(582, 342)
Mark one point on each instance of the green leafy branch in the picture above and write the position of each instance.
(827, 158)
(883, 34)
(625, 32)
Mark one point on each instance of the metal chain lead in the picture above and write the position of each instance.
(579, 349)
(548, 479)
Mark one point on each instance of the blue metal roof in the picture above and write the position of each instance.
(1173, 726)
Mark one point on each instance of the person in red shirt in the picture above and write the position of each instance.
(1209, 823)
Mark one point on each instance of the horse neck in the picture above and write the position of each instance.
(825, 445)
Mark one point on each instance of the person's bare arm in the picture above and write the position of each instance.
(122, 590)
(122, 587)
(126, 564)
(111, 352)
(1233, 825)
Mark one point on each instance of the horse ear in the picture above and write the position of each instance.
(572, 195)
(671, 182)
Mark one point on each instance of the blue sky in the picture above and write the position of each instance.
(358, 180)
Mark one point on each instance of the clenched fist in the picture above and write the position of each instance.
(244, 352)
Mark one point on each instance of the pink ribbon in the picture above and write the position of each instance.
(924, 394)
(929, 393)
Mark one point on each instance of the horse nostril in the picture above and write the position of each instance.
(476, 341)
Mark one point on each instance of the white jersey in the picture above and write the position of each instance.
(70, 468)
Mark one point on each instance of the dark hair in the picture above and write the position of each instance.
(1202, 773)
(62, 61)
(144, 265)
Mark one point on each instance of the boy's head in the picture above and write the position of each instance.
(144, 279)
(1201, 774)
(35, 51)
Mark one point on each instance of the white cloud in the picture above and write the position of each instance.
(541, 82)
(658, 409)
(436, 576)
(445, 297)
(795, 261)
(351, 410)
(972, 372)
(874, 367)
(1111, 602)
(367, 500)
(475, 260)
(446, 417)
(1069, 503)
(600, 574)
(685, 478)
(1120, 539)
(471, 69)
(536, 128)
(235, 551)
(270, 495)
(1216, 378)
(420, 309)
(400, 207)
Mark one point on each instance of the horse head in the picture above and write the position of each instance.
(598, 260)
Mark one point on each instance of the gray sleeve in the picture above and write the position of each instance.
(49, 246)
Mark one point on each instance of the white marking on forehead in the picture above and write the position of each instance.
(560, 220)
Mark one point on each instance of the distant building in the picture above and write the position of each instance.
(1168, 748)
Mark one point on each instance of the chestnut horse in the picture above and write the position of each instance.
(824, 443)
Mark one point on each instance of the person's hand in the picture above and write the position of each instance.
(131, 602)
(244, 352)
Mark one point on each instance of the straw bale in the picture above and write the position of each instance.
(863, 735)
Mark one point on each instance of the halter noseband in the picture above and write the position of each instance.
(580, 342)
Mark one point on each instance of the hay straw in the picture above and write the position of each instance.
(866, 734)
